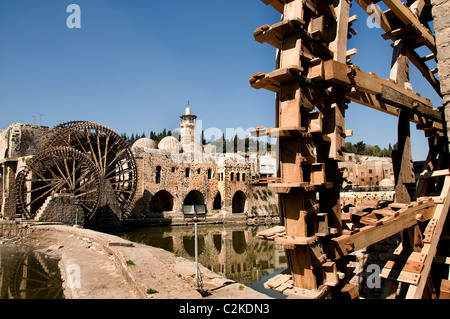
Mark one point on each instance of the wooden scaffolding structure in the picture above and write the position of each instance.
(314, 81)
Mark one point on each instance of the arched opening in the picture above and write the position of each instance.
(194, 198)
(158, 175)
(162, 201)
(238, 203)
(239, 242)
(217, 239)
(189, 245)
(217, 204)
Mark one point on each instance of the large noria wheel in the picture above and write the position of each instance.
(110, 153)
(61, 170)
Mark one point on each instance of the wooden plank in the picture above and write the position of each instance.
(341, 73)
(399, 99)
(434, 174)
(271, 233)
(368, 235)
(290, 242)
(410, 266)
(301, 293)
(408, 18)
(415, 292)
(331, 276)
(274, 34)
(336, 72)
(276, 4)
(444, 289)
(402, 160)
(317, 174)
(399, 275)
(339, 44)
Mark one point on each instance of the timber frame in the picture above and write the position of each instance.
(314, 81)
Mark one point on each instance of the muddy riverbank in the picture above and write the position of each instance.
(97, 265)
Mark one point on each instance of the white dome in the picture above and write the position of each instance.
(188, 111)
(169, 143)
(387, 183)
(145, 143)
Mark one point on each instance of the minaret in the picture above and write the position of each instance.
(187, 126)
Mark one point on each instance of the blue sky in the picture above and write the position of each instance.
(133, 65)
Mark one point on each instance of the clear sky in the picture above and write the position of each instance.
(134, 64)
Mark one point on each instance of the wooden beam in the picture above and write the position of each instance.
(402, 11)
(345, 244)
(353, 76)
(276, 4)
(440, 215)
(402, 159)
(396, 98)
(419, 63)
(375, 12)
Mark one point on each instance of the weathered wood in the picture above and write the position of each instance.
(394, 97)
(271, 233)
(368, 235)
(402, 160)
(374, 11)
(408, 18)
(440, 215)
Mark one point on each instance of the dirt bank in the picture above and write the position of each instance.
(96, 265)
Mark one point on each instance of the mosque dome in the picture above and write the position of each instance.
(188, 111)
(145, 143)
(170, 144)
(387, 183)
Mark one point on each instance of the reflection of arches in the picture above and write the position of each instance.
(194, 198)
(217, 239)
(189, 245)
(161, 201)
(217, 204)
(238, 203)
(239, 242)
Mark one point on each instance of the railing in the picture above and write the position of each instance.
(264, 181)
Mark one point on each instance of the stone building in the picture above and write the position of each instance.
(173, 175)
(178, 173)
(368, 171)
(17, 143)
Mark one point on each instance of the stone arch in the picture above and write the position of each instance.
(239, 241)
(194, 197)
(238, 202)
(189, 245)
(217, 203)
(161, 201)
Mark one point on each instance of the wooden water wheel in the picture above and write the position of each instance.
(58, 170)
(108, 151)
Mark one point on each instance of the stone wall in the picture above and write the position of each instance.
(169, 177)
(441, 25)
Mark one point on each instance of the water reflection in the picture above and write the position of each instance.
(231, 251)
(28, 274)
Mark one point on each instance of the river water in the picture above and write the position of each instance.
(232, 251)
(26, 273)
